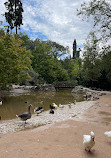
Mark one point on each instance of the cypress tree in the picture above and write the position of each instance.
(74, 49)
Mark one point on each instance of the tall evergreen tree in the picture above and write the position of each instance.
(14, 14)
(74, 49)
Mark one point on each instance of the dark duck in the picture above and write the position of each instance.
(38, 110)
(51, 109)
(27, 115)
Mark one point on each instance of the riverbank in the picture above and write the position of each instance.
(63, 139)
(44, 118)
(61, 114)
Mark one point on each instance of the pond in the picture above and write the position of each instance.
(18, 104)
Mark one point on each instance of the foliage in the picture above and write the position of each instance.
(46, 65)
(106, 68)
(57, 49)
(91, 59)
(100, 10)
(14, 60)
(73, 67)
(96, 69)
(14, 14)
(29, 44)
(33, 80)
(74, 49)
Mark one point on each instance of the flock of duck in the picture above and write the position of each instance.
(27, 115)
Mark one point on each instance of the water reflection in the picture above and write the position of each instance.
(13, 105)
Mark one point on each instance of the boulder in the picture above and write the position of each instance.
(79, 90)
(47, 87)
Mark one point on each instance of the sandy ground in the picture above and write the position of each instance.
(63, 139)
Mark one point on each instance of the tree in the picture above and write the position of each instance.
(29, 44)
(74, 49)
(91, 60)
(57, 49)
(105, 80)
(100, 10)
(73, 67)
(14, 14)
(76, 53)
(48, 67)
(14, 60)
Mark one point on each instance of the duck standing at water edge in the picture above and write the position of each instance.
(1, 102)
(54, 105)
(51, 111)
(27, 115)
(61, 106)
(38, 110)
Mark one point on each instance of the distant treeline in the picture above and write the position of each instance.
(29, 62)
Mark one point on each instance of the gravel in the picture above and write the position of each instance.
(60, 114)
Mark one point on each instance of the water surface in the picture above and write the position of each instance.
(13, 105)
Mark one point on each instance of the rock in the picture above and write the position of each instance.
(103, 93)
(47, 87)
(79, 89)
(88, 93)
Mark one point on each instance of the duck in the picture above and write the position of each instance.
(61, 106)
(54, 105)
(38, 110)
(88, 141)
(69, 105)
(74, 102)
(1, 102)
(25, 116)
(51, 111)
(26, 102)
(108, 133)
(51, 107)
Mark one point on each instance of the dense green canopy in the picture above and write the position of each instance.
(14, 60)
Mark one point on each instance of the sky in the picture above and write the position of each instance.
(54, 20)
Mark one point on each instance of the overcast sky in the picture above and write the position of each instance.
(55, 20)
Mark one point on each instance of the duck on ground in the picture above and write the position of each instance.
(51, 107)
(54, 105)
(1, 101)
(70, 105)
(26, 102)
(74, 102)
(108, 134)
(61, 106)
(27, 115)
(38, 110)
(51, 111)
(88, 141)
